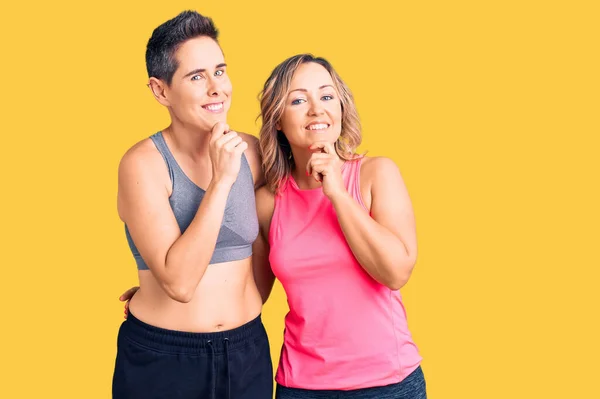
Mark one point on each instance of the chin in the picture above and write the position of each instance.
(331, 138)
(222, 117)
(207, 123)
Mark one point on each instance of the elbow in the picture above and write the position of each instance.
(402, 275)
(396, 283)
(178, 285)
(179, 292)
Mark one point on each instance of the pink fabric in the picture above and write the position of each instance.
(344, 330)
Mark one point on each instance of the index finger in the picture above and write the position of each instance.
(326, 146)
(218, 130)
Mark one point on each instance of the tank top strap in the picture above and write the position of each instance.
(161, 146)
(351, 174)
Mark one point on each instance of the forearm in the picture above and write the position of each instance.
(189, 256)
(381, 253)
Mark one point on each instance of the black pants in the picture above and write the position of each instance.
(156, 363)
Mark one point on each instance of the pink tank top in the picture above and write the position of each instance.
(344, 330)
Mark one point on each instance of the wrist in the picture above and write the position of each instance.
(220, 184)
(339, 197)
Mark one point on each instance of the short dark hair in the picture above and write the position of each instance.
(168, 37)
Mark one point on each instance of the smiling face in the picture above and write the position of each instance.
(200, 92)
(312, 110)
(303, 101)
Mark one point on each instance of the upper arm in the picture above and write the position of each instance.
(391, 206)
(143, 202)
(263, 275)
(254, 159)
(265, 206)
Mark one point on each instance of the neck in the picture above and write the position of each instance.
(188, 140)
(301, 158)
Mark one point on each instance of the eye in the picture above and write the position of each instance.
(327, 97)
(298, 101)
(219, 72)
(196, 77)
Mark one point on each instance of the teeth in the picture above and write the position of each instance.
(214, 107)
(318, 126)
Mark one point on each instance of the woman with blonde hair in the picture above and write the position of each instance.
(337, 229)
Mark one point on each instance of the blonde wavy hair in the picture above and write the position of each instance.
(277, 160)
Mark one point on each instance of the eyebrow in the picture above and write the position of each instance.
(200, 70)
(304, 90)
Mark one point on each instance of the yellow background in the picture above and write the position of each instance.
(490, 109)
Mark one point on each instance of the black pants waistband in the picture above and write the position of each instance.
(191, 342)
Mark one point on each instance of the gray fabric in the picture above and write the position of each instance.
(240, 225)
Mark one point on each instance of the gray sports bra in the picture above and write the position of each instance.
(239, 228)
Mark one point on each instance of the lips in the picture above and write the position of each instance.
(316, 126)
(213, 107)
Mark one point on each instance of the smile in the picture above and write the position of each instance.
(214, 107)
(317, 126)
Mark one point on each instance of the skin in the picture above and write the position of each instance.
(181, 291)
(381, 237)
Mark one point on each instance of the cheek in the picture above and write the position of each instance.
(188, 97)
(336, 116)
(285, 126)
(188, 103)
(179, 101)
(287, 122)
(338, 112)
(227, 87)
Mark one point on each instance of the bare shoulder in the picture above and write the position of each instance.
(379, 169)
(374, 166)
(140, 157)
(142, 171)
(253, 157)
(250, 139)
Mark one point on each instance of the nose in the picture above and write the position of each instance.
(316, 108)
(214, 88)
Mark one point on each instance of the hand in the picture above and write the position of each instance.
(126, 297)
(326, 167)
(226, 148)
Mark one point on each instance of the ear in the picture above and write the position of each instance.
(159, 90)
(278, 126)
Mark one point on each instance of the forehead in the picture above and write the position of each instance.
(200, 52)
(310, 74)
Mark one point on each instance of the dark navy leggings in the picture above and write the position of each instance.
(412, 387)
